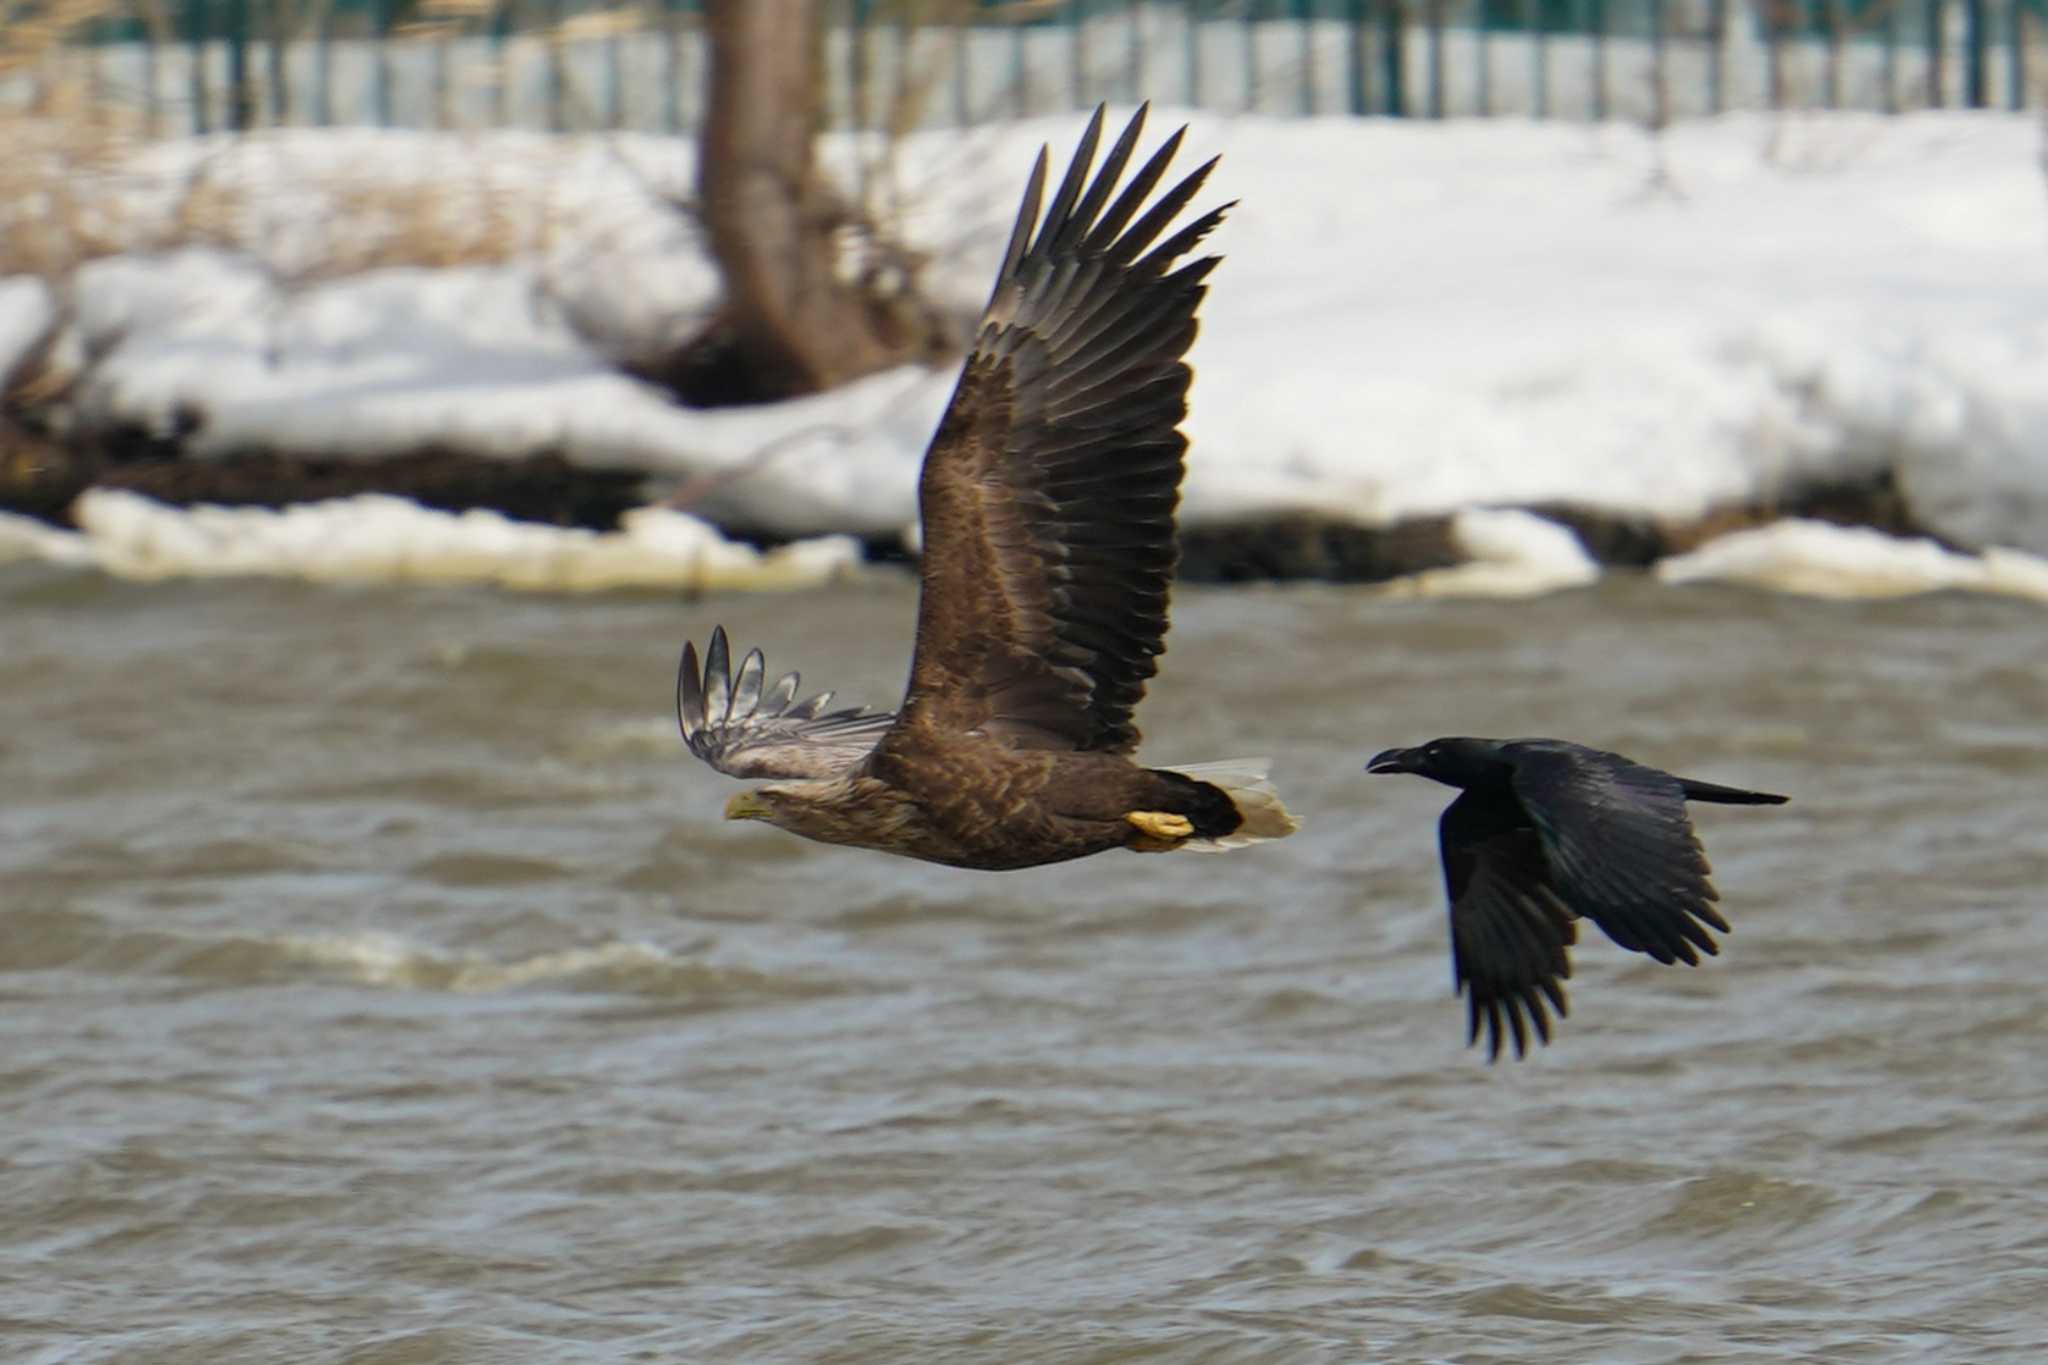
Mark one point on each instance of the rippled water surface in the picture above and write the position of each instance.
(382, 986)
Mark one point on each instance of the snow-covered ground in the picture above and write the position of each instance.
(1411, 319)
(373, 538)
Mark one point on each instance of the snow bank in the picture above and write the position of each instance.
(381, 539)
(26, 312)
(24, 538)
(1823, 560)
(1413, 319)
(1510, 554)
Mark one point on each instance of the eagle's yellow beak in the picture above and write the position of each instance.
(746, 806)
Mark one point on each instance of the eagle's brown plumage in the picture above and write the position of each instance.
(1047, 499)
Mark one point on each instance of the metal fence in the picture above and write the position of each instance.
(199, 65)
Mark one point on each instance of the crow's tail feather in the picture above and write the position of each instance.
(1728, 796)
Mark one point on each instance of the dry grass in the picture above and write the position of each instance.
(76, 184)
(49, 220)
(57, 141)
(75, 190)
(382, 223)
(32, 30)
(82, 180)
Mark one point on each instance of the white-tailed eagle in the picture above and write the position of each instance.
(1047, 500)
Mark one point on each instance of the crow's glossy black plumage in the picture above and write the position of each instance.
(1546, 832)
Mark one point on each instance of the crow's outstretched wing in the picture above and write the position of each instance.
(1509, 929)
(746, 729)
(1620, 848)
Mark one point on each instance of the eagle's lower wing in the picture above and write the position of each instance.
(1049, 489)
(746, 729)
(1509, 930)
(1621, 847)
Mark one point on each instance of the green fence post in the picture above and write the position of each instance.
(1249, 31)
(274, 37)
(1433, 23)
(1390, 57)
(1977, 40)
(323, 69)
(1357, 58)
(1596, 19)
(1482, 45)
(614, 80)
(195, 38)
(963, 48)
(1305, 25)
(856, 63)
(2015, 55)
(1134, 51)
(98, 38)
(1937, 55)
(152, 108)
(1660, 83)
(1831, 78)
(896, 104)
(555, 75)
(1717, 52)
(1774, 54)
(1077, 41)
(443, 88)
(501, 83)
(1020, 94)
(380, 58)
(671, 68)
(238, 110)
(1891, 59)
(1537, 24)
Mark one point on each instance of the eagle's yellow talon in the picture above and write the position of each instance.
(1160, 824)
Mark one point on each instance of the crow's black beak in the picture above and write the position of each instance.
(1390, 761)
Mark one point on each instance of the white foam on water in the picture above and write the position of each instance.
(388, 960)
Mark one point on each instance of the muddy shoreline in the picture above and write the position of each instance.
(42, 474)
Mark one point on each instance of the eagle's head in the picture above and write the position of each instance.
(776, 803)
(829, 811)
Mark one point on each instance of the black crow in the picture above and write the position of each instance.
(1543, 832)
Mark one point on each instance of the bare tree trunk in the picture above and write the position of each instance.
(789, 324)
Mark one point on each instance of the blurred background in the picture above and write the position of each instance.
(387, 391)
(563, 66)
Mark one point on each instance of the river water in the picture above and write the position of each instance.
(381, 985)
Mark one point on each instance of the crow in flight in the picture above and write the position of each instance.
(1543, 832)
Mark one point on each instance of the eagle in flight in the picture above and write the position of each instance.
(1047, 500)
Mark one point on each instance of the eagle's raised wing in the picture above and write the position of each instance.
(744, 729)
(1048, 492)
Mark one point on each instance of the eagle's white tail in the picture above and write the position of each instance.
(1244, 781)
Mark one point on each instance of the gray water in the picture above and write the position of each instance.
(381, 985)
